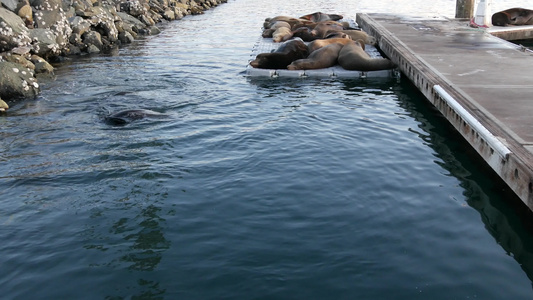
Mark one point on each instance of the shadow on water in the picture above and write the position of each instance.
(505, 217)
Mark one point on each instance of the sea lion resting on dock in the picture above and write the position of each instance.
(324, 57)
(317, 44)
(354, 58)
(319, 16)
(285, 54)
(513, 16)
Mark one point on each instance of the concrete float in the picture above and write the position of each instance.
(479, 82)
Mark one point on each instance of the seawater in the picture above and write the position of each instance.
(253, 188)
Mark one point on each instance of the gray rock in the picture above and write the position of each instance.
(79, 25)
(93, 38)
(17, 81)
(41, 65)
(125, 37)
(44, 42)
(10, 4)
(13, 31)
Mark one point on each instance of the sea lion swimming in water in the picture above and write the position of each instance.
(127, 116)
(513, 16)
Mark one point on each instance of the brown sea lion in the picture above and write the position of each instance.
(268, 32)
(285, 54)
(357, 35)
(317, 44)
(292, 21)
(321, 29)
(353, 57)
(319, 16)
(324, 57)
(281, 34)
(513, 16)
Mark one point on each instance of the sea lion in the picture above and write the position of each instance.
(268, 32)
(285, 54)
(322, 28)
(292, 21)
(127, 116)
(319, 16)
(353, 57)
(513, 16)
(3, 106)
(324, 57)
(356, 35)
(281, 34)
(317, 44)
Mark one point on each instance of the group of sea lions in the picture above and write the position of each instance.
(317, 41)
(513, 16)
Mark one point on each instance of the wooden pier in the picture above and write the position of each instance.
(479, 82)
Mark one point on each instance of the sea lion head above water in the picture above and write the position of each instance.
(127, 116)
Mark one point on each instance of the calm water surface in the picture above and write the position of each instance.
(251, 188)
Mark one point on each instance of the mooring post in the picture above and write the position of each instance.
(464, 9)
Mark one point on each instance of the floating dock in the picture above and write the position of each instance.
(479, 82)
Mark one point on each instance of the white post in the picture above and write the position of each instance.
(483, 15)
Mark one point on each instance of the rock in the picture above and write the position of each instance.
(44, 42)
(134, 8)
(79, 25)
(93, 38)
(10, 4)
(19, 59)
(3, 106)
(17, 81)
(92, 49)
(154, 30)
(13, 31)
(41, 65)
(25, 12)
(125, 37)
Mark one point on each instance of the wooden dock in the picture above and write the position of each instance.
(479, 82)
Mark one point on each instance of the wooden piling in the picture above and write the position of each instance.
(464, 9)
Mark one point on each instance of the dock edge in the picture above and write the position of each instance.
(492, 143)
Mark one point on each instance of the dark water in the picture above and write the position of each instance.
(251, 188)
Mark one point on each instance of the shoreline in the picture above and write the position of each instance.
(35, 33)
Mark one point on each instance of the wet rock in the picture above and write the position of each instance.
(16, 81)
(93, 38)
(41, 65)
(126, 37)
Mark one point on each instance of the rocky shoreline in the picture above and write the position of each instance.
(34, 33)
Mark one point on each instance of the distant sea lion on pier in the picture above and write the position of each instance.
(127, 116)
(513, 16)
(285, 54)
(354, 58)
(319, 16)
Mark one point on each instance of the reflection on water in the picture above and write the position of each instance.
(256, 188)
